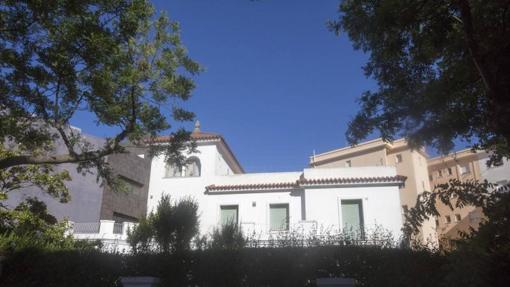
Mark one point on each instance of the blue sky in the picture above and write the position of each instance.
(277, 84)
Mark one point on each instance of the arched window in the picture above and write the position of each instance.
(172, 170)
(193, 167)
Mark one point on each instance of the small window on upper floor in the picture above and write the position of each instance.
(439, 173)
(193, 167)
(457, 217)
(172, 170)
(437, 223)
(398, 158)
(464, 169)
(348, 163)
(447, 219)
(450, 171)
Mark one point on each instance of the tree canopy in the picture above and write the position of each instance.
(119, 60)
(443, 73)
(442, 68)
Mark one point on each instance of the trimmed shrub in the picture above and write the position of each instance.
(293, 266)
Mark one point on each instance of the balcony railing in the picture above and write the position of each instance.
(117, 228)
(86, 227)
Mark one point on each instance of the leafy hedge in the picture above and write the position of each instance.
(245, 267)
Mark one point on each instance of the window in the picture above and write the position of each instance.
(457, 217)
(192, 167)
(229, 214)
(437, 223)
(348, 163)
(128, 185)
(398, 158)
(439, 173)
(172, 170)
(405, 209)
(450, 172)
(447, 219)
(352, 216)
(278, 217)
(464, 169)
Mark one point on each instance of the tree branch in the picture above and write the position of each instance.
(474, 49)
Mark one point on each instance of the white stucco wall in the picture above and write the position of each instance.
(381, 203)
(495, 174)
(381, 207)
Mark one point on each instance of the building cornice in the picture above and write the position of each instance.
(306, 183)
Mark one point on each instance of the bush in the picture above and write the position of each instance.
(169, 230)
(30, 225)
(228, 236)
(370, 266)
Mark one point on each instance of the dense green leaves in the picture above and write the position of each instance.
(442, 67)
(119, 60)
(30, 225)
(244, 267)
(169, 229)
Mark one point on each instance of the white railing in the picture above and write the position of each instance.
(112, 235)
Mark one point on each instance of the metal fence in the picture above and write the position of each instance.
(117, 228)
(86, 227)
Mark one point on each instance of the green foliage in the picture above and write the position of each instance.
(483, 258)
(119, 60)
(29, 225)
(370, 266)
(170, 229)
(140, 237)
(228, 236)
(442, 67)
(23, 176)
(453, 194)
(443, 73)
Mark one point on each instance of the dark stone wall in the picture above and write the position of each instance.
(135, 171)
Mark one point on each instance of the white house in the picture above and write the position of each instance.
(313, 199)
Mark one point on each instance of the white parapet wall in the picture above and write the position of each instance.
(112, 235)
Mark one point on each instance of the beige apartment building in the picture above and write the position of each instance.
(462, 165)
(408, 162)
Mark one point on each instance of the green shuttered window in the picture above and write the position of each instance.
(279, 217)
(229, 214)
(352, 216)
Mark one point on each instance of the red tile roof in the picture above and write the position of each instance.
(198, 136)
(203, 136)
(306, 182)
(352, 180)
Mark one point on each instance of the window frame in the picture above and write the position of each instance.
(222, 206)
(189, 161)
(362, 212)
(287, 217)
(467, 167)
